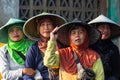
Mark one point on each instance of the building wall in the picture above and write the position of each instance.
(85, 10)
(8, 9)
(114, 14)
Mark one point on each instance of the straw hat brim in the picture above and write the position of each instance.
(115, 28)
(30, 27)
(63, 37)
(4, 29)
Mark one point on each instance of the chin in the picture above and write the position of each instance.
(17, 40)
(77, 44)
(104, 37)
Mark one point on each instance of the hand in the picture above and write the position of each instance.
(53, 34)
(29, 71)
(39, 79)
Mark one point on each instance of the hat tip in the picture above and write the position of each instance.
(76, 20)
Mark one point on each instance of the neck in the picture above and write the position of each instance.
(43, 39)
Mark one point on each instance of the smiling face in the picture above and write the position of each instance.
(45, 27)
(15, 33)
(78, 35)
(105, 31)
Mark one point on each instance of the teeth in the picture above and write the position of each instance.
(77, 40)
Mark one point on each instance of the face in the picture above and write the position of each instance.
(105, 31)
(45, 28)
(15, 34)
(77, 36)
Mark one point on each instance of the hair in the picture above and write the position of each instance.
(75, 26)
(98, 24)
(15, 25)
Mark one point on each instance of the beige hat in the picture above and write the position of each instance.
(63, 35)
(101, 19)
(30, 27)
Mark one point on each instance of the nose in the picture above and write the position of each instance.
(15, 31)
(46, 26)
(106, 28)
(77, 34)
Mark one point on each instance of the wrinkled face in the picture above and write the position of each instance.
(46, 27)
(15, 34)
(77, 36)
(105, 31)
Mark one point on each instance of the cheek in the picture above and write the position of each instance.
(109, 31)
(83, 36)
(41, 30)
(100, 29)
(10, 36)
(21, 34)
(51, 28)
(72, 39)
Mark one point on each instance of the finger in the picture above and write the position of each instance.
(55, 29)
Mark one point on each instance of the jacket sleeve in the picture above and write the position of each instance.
(98, 69)
(7, 73)
(30, 62)
(51, 58)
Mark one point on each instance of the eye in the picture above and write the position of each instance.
(42, 24)
(49, 24)
(73, 32)
(81, 32)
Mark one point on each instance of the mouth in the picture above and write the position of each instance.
(46, 31)
(77, 40)
(16, 36)
(104, 33)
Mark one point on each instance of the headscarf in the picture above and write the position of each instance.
(21, 46)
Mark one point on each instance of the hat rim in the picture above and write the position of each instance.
(65, 26)
(9, 24)
(102, 19)
(25, 27)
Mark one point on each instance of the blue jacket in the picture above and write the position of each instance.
(34, 60)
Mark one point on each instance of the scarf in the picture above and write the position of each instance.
(42, 44)
(21, 46)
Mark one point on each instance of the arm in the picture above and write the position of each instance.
(98, 69)
(30, 62)
(7, 73)
(51, 58)
(115, 63)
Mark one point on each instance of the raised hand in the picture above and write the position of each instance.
(53, 34)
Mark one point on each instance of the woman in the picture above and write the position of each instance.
(108, 51)
(12, 54)
(38, 28)
(76, 62)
